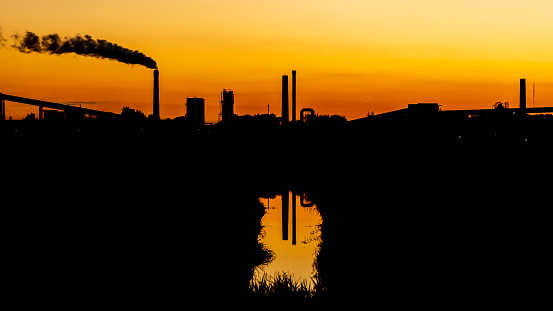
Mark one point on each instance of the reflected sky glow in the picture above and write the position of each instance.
(296, 259)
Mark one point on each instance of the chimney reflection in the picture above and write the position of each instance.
(293, 218)
(285, 216)
(285, 206)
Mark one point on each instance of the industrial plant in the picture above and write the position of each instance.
(410, 125)
(195, 107)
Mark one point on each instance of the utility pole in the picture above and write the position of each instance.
(534, 95)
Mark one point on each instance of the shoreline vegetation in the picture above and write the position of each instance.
(283, 286)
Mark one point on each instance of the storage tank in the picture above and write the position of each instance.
(195, 111)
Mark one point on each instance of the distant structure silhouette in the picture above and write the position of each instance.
(433, 109)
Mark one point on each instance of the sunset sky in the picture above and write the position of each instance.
(350, 55)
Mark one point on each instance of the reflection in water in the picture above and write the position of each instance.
(294, 256)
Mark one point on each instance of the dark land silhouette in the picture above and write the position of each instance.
(433, 209)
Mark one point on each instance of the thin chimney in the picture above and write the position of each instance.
(523, 94)
(156, 94)
(293, 96)
(285, 99)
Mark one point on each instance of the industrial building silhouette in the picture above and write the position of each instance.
(195, 107)
(195, 111)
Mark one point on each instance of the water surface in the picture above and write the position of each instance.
(293, 239)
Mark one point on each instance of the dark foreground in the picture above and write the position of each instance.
(160, 215)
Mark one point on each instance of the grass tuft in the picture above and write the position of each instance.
(283, 287)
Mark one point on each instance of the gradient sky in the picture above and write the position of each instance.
(350, 55)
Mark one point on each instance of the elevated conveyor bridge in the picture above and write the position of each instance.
(70, 110)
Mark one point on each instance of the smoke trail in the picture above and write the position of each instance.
(81, 45)
(1, 37)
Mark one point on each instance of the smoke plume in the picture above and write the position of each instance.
(81, 45)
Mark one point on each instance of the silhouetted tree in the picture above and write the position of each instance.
(30, 116)
(128, 113)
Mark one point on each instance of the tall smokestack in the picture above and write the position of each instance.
(522, 94)
(293, 96)
(156, 94)
(284, 99)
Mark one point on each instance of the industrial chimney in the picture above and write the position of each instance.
(293, 96)
(284, 99)
(156, 95)
(522, 95)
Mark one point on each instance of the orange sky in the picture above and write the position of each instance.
(350, 55)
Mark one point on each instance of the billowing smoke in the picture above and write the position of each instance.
(82, 45)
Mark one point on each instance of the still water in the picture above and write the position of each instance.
(291, 230)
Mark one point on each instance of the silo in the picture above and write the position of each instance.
(195, 111)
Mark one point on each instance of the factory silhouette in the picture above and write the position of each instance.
(195, 112)
(195, 107)
(419, 206)
(422, 124)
